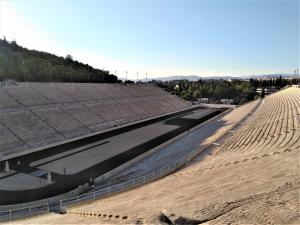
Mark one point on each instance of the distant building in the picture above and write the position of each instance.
(227, 101)
(268, 90)
(203, 100)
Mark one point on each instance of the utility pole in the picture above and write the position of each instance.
(137, 77)
(126, 75)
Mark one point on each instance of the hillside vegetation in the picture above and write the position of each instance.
(239, 90)
(21, 64)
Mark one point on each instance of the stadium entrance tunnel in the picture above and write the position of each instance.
(60, 169)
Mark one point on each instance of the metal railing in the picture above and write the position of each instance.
(101, 192)
(123, 186)
(24, 212)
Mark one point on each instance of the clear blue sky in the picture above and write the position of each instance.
(161, 37)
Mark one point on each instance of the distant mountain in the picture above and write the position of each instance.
(195, 77)
(191, 78)
(177, 77)
(283, 75)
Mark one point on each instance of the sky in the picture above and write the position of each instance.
(161, 38)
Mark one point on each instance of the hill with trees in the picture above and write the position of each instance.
(21, 64)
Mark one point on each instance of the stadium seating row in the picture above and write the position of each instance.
(37, 114)
(44, 93)
(275, 125)
(274, 128)
(230, 120)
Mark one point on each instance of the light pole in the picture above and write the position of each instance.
(146, 78)
(26, 80)
(50, 78)
(71, 75)
(126, 75)
(137, 76)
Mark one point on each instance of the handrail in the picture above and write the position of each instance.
(23, 212)
(100, 193)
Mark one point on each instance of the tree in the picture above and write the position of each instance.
(14, 42)
(196, 94)
(69, 58)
